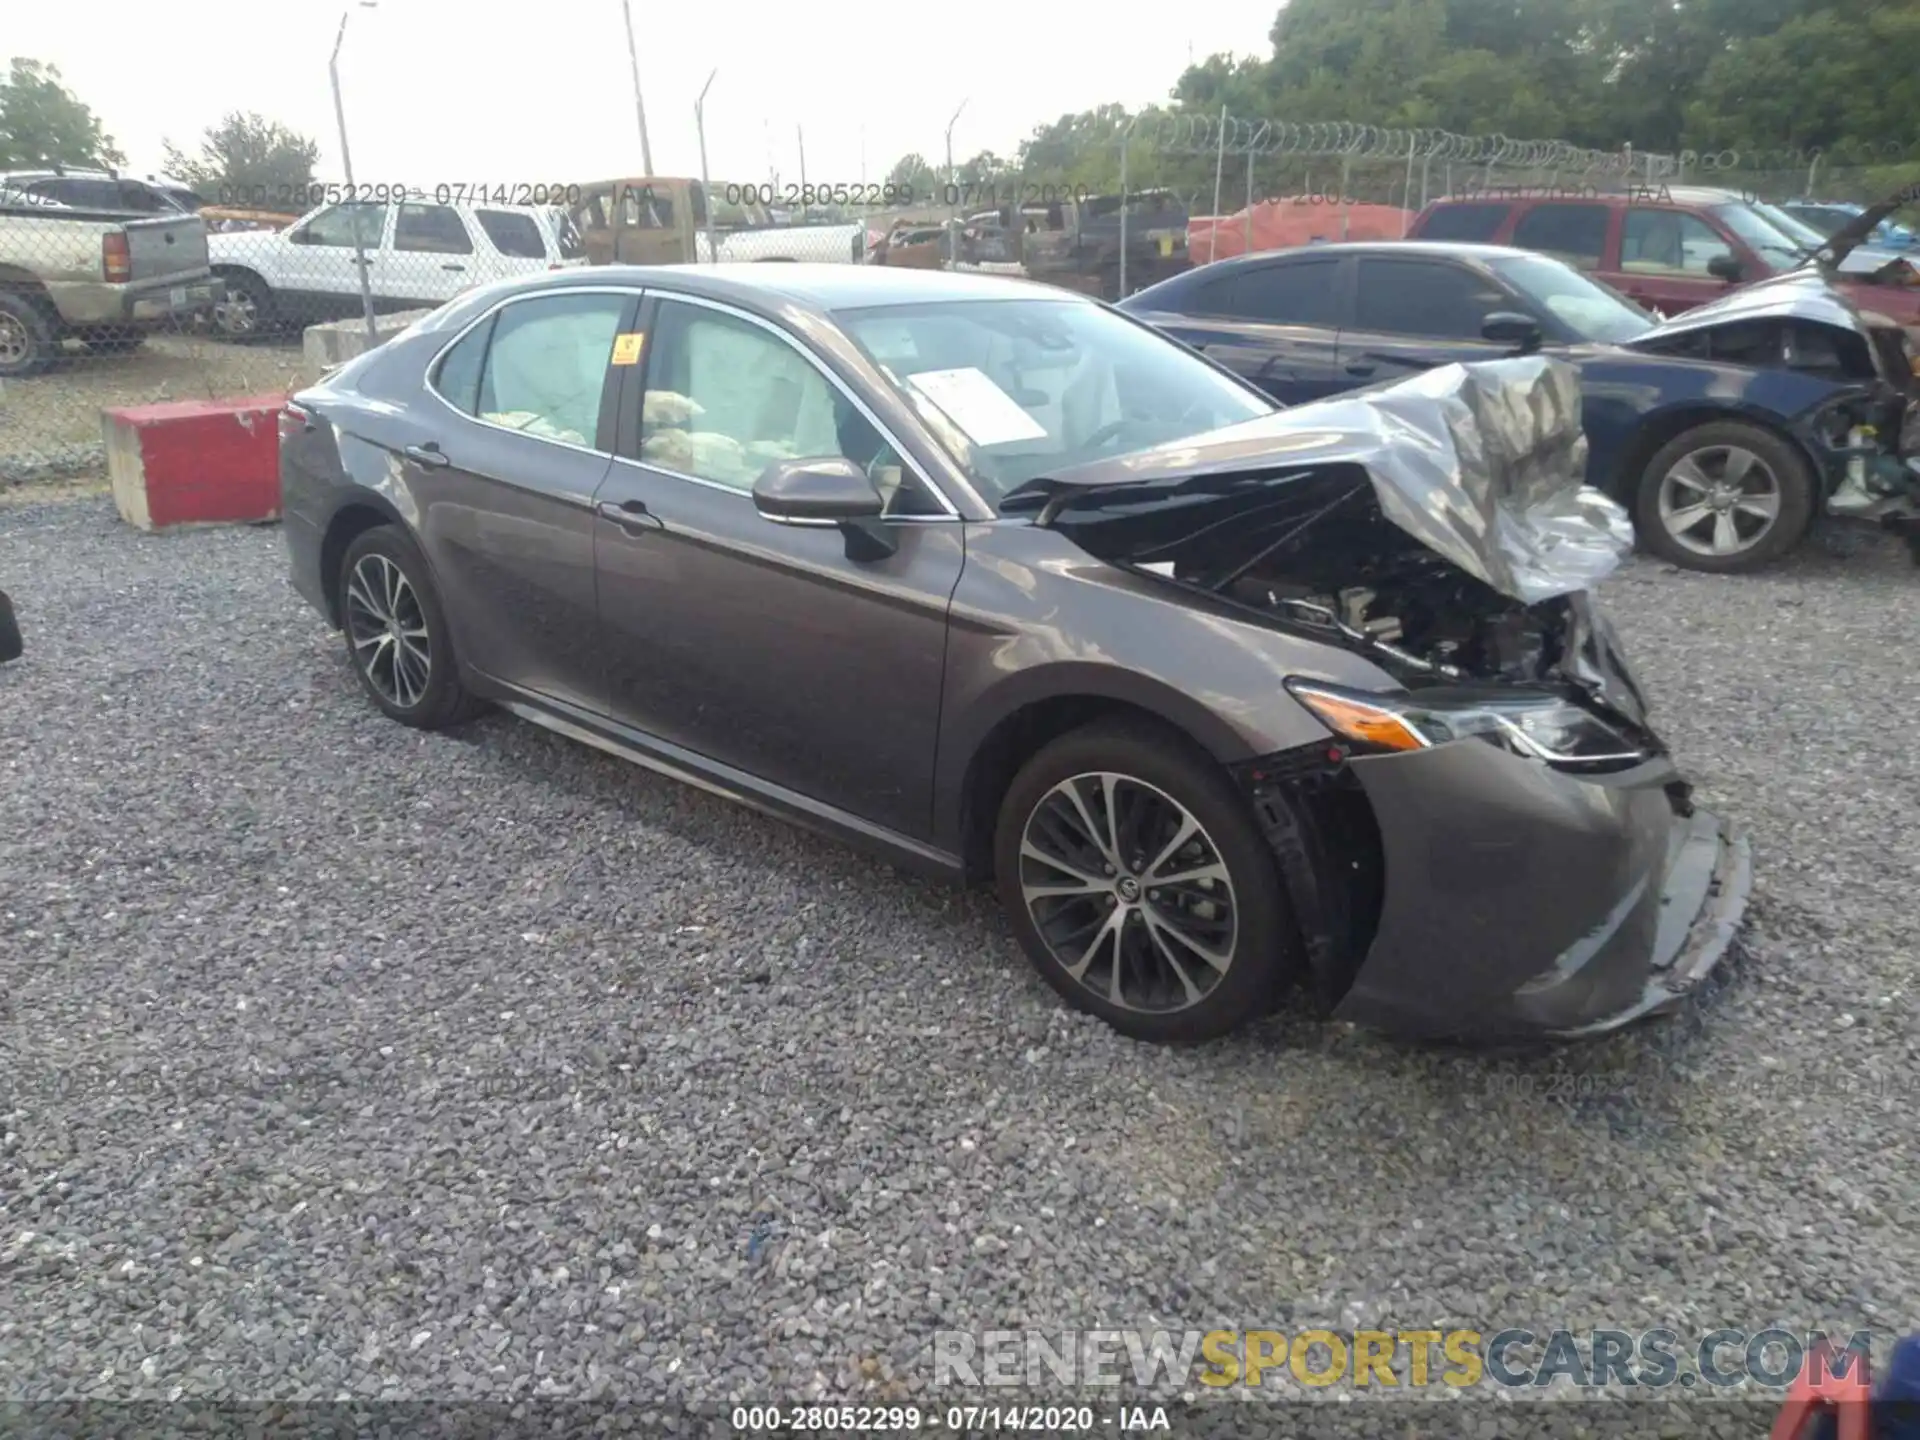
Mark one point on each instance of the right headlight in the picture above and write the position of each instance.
(1539, 726)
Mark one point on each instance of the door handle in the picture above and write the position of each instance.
(631, 516)
(453, 267)
(427, 454)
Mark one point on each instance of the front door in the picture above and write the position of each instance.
(320, 261)
(1664, 258)
(506, 503)
(778, 650)
(1413, 315)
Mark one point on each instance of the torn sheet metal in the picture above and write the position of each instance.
(1797, 295)
(1484, 464)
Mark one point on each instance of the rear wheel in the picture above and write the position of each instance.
(1725, 498)
(1139, 884)
(397, 633)
(29, 343)
(245, 307)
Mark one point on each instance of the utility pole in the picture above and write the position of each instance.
(346, 164)
(953, 226)
(706, 189)
(805, 203)
(639, 109)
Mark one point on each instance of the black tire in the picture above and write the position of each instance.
(29, 339)
(1260, 948)
(1792, 483)
(247, 308)
(11, 647)
(440, 701)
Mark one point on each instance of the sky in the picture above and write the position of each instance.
(510, 92)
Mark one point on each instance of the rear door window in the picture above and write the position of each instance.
(432, 229)
(513, 234)
(1470, 222)
(1429, 298)
(546, 366)
(1299, 292)
(1576, 234)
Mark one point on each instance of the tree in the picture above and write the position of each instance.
(914, 172)
(44, 123)
(246, 153)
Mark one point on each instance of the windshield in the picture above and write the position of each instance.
(1018, 389)
(1792, 226)
(1592, 311)
(1767, 237)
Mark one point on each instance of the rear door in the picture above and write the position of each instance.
(1574, 232)
(506, 489)
(1472, 221)
(431, 260)
(1664, 255)
(1412, 314)
(1275, 323)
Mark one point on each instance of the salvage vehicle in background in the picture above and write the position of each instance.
(661, 220)
(417, 255)
(1725, 431)
(104, 191)
(1830, 217)
(913, 246)
(102, 277)
(1671, 248)
(1077, 243)
(1003, 583)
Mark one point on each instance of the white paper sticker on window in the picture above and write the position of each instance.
(972, 401)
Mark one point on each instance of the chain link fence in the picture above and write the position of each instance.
(111, 295)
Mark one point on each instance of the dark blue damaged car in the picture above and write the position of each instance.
(1727, 432)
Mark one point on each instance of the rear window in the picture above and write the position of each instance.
(1463, 222)
(512, 234)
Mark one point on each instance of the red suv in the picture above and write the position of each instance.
(1669, 249)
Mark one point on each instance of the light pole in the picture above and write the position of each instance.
(953, 228)
(346, 164)
(706, 199)
(639, 110)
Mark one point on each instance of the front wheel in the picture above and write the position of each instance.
(397, 633)
(1726, 497)
(1140, 886)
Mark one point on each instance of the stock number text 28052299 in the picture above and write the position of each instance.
(299, 198)
(768, 193)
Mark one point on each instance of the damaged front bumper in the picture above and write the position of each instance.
(1517, 900)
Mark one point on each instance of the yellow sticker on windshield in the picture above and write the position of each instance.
(626, 348)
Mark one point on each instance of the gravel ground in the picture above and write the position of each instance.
(50, 424)
(339, 1060)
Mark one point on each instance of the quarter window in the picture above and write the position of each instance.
(513, 234)
(545, 366)
(433, 229)
(1417, 297)
(725, 399)
(1464, 222)
(1669, 242)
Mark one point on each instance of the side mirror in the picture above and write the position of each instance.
(1507, 327)
(1724, 267)
(819, 491)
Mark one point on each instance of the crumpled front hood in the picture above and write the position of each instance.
(1796, 295)
(1483, 464)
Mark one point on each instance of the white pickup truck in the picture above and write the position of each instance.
(104, 278)
(418, 254)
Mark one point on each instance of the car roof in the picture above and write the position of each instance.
(766, 284)
(1550, 195)
(1450, 249)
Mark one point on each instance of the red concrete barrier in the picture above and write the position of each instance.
(196, 462)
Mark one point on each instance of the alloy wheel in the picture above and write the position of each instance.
(16, 344)
(1720, 500)
(235, 313)
(388, 631)
(1128, 892)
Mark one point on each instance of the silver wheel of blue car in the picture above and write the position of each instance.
(1720, 500)
(1128, 892)
(388, 631)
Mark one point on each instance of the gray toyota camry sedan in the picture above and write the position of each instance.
(1223, 698)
